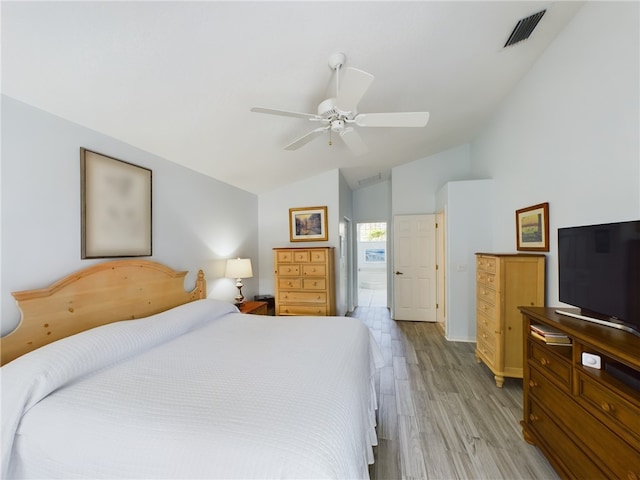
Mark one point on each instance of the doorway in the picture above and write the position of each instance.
(372, 264)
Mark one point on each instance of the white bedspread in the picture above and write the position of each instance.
(200, 391)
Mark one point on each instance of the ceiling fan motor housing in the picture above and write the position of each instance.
(327, 109)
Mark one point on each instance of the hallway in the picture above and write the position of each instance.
(369, 297)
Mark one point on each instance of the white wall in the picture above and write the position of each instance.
(414, 184)
(372, 203)
(198, 222)
(468, 230)
(273, 221)
(568, 134)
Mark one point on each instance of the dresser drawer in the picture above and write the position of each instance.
(314, 270)
(573, 459)
(318, 256)
(486, 263)
(302, 297)
(487, 310)
(609, 407)
(601, 443)
(486, 350)
(487, 334)
(284, 257)
(553, 366)
(486, 294)
(314, 283)
(301, 256)
(288, 270)
(546, 393)
(312, 310)
(289, 282)
(488, 323)
(486, 278)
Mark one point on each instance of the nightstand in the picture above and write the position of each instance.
(254, 308)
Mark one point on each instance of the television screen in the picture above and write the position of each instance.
(599, 271)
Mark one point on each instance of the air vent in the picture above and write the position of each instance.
(370, 180)
(524, 28)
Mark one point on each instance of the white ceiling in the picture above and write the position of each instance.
(177, 79)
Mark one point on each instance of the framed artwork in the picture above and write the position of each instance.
(532, 228)
(375, 255)
(308, 224)
(115, 207)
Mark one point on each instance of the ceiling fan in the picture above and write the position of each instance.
(339, 114)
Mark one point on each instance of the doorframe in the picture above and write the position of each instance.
(441, 270)
(349, 265)
(356, 267)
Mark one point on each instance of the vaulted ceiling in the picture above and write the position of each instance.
(178, 79)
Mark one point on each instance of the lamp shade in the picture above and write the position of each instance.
(239, 268)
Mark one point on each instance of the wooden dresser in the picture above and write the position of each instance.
(304, 281)
(585, 420)
(503, 283)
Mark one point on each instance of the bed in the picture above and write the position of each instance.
(116, 372)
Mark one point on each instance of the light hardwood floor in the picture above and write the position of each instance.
(440, 415)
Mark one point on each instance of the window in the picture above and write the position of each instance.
(373, 232)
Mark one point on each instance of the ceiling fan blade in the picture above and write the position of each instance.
(284, 113)
(353, 140)
(352, 88)
(398, 119)
(303, 140)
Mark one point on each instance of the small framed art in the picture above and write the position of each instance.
(532, 228)
(375, 255)
(308, 224)
(115, 207)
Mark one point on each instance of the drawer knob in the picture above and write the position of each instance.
(545, 362)
(533, 383)
(289, 283)
(607, 407)
(533, 417)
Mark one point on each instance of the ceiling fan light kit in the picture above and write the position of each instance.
(338, 113)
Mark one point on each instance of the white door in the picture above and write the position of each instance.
(414, 271)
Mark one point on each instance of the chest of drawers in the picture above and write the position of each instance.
(304, 281)
(586, 421)
(503, 283)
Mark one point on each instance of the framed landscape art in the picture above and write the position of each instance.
(532, 228)
(308, 224)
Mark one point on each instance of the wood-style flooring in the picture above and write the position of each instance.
(440, 414)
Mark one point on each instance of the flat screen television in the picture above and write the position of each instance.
(599, 272)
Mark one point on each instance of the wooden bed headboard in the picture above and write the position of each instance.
(94, 296)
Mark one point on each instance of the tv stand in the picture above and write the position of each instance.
(606, 323)
(586, 421)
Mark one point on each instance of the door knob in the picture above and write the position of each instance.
(399, 273)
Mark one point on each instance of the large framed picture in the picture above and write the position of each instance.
(308, 224)
(115, 207)
(532, 228)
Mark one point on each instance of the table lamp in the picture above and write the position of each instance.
(239, 268)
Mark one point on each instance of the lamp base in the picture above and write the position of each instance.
(239, 297)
